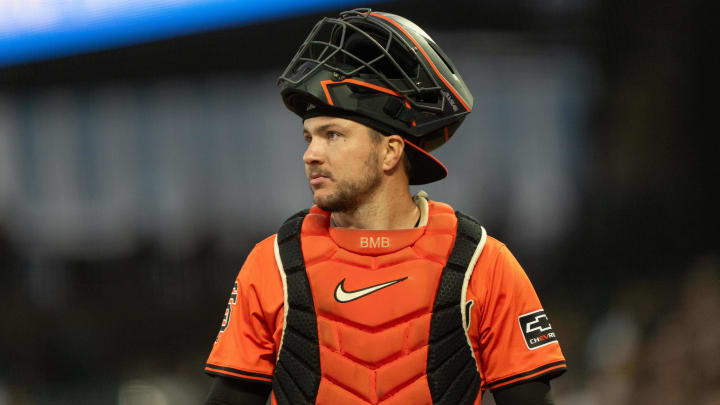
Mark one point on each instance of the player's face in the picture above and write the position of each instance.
(341, 162)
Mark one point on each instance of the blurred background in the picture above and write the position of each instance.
(144, 150)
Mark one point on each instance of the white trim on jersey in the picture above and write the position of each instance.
(283, 276)
(463, 294)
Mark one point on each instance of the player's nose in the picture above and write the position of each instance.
(314, 153)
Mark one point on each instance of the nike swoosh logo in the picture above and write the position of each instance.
(346, 296)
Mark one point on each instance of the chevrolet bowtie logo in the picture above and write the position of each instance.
(536, 329)
(540, 324)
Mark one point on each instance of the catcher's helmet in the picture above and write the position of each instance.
(381, 70)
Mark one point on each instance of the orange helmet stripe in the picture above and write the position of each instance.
(398, 26)
(325, 83)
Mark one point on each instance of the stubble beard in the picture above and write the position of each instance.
(351, 194)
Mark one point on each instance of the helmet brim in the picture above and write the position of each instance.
(426, 168)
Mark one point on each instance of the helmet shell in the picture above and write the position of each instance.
(383, 67)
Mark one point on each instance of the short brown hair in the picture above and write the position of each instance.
(377, 136)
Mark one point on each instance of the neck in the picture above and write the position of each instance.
(383, 209)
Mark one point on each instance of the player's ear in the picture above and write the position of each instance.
(394, 146)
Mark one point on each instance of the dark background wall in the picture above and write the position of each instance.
(134, 181)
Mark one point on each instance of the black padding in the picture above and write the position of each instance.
(280, 395)
(456, 362)
(296, 365)
(299, 294)
(297, 345)
(469, 227)
(445, 349)
(448, 294)
(462, 253)
(297, 371)
(452, 373)
(471, 393)
(303, 322)
(290, 387)
(459, 389)
(291, 226)
(445, 322)
(292, 257)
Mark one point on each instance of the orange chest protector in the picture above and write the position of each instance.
(377, 317)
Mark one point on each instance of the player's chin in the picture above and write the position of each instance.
(320, 195)
(323, 197)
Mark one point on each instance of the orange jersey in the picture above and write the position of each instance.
(373, 294)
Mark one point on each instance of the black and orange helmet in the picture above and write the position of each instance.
(384, 71)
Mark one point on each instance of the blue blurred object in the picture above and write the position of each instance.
(42, 29)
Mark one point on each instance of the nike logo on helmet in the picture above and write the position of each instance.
(346, 296)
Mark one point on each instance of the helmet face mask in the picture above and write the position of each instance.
(385, 68)
(359, 49)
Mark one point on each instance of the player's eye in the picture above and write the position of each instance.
(332, 135)
(307, 138)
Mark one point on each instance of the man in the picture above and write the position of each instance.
(374, 296)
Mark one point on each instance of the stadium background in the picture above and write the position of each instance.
(134, 180)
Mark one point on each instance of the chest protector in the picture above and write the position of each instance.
(377, 317)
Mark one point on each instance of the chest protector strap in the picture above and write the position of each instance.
(297, 370)
(452, 372)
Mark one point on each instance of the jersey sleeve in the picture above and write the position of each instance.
(514, 340)
(245, 347)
